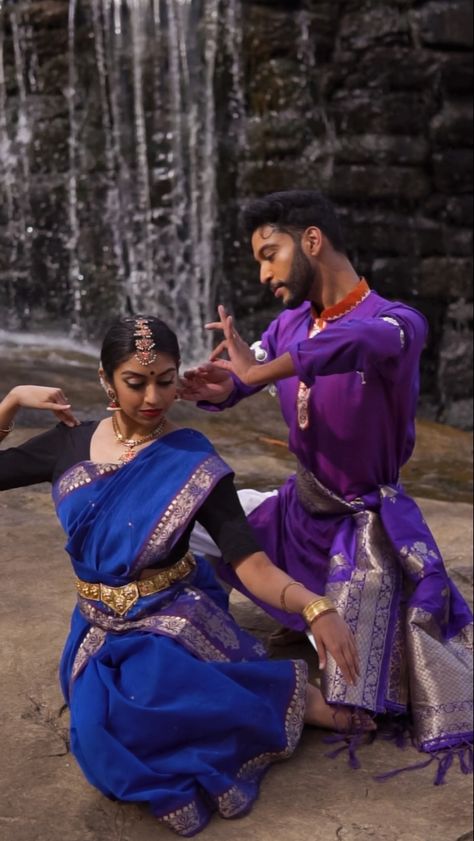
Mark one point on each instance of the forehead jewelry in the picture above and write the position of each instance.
(145, 352)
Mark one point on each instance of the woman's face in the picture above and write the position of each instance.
(145, 393)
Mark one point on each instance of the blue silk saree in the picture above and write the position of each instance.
(171, 703)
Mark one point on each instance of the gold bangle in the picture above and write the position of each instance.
(283, 593)
(316, 608)
(10, 429)
(323, 613)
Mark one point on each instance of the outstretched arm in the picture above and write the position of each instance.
(223, 517)
(34, 397)
(379, 342)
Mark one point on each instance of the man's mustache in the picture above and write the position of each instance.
(278, 285)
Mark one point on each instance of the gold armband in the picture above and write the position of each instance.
(283, 593)
(318, 607)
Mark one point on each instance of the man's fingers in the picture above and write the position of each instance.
(214, 325)
(221, 347)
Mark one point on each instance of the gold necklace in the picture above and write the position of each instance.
(131, 443)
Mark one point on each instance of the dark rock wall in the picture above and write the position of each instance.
(368, 101)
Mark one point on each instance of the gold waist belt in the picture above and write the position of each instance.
(121, 599)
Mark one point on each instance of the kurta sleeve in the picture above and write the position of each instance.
(383, 342)
(32, 462)
(224, 518)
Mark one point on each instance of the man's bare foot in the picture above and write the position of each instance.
(330, 717)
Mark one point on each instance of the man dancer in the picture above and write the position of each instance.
(345, 363)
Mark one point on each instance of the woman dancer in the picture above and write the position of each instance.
(171, 702)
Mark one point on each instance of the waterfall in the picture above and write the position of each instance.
(75, 276)
(136, 229)
(15, 140)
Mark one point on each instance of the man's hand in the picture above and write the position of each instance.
(207, 382)
(332, 635)
(241, 359)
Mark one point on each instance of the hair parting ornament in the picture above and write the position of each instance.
(145, 352)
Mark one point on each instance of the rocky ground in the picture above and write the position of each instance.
(43, 796)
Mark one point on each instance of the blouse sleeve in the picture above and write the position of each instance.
(32, 462)
(223, 517)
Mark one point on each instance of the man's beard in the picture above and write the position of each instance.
(300, 280)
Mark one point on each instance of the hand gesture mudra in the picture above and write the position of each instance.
(43, 397)
(206, 382)
(241, 358)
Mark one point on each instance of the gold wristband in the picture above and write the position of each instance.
(283, 593)
(9, 429)
(317, 608)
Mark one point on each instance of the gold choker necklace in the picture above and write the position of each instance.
(131, 443)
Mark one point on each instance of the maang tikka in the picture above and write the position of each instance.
(145, 352)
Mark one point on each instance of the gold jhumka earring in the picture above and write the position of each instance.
(114, 405)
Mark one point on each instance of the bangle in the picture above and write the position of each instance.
(9, 429)
(317, 608)
(283, 593)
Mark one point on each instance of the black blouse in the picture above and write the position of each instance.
(46, 457)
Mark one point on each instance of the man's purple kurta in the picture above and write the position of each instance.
(344, 525)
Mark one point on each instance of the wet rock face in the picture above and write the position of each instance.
(367, 101)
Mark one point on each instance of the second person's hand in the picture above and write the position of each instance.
(241, 359)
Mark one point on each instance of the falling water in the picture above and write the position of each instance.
(75, 275)
(142, 155)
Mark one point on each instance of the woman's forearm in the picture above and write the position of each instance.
(265, 581)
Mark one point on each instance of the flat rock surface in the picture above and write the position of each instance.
(43, 795)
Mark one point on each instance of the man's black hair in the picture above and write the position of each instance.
(292, 212)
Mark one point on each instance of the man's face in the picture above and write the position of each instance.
(283, 266)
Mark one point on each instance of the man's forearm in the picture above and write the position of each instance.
(269, 372)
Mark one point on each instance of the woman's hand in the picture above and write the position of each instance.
(42, 397)
(207, 382)
(332, 635)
